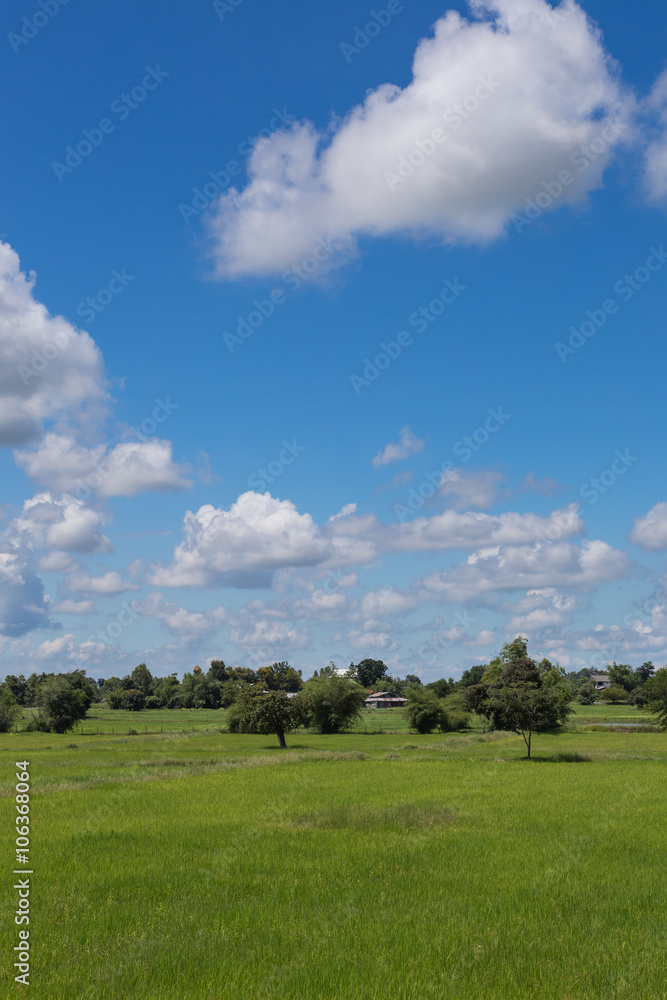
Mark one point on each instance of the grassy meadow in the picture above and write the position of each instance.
(201, 865)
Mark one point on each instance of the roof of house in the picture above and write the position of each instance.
(600, 677)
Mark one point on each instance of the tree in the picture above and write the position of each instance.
(614, 694)
(623, 675)
(266, 712)
(412, 679)
(333, 703)
(473, 675)
(638, 696)
(62, 704)
(142, 679)
(657, 693)
(442, 687)
(133, 700)
(587, 694)
(280, 677)
(218, 671)
(518, 694)
(19, 688)
(369, 673)
(10, 709)
(645, 672)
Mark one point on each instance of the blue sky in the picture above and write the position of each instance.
(265, 201)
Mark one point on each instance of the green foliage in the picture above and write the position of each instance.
(142, 679)
(369, 673)
(442, 687)
(614, 694)
(657, 693)
(19, 689)
(587, 695)
(516, 693)
(473, 675)
(638, 696)
(133, 700)
(266, 712)
(280, 677)
(455, 715)
(10, 709)
(645, 672)
(624, 676)
(424, 710)
(333, 703)
(64, 701)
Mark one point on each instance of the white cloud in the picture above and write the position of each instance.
(270, 634)
(371, 642)
(48, 369)
(407, 444)
(64, 523)
(387, 603)
(260, 534)
(514, 95)
(179, 621)
(529, 567)
(125, 470)
(257, 534)
(541, 609)
(105, 585)
(650, 531)
(23, 604)
(69, 607)
(466, 489)
(655, 162)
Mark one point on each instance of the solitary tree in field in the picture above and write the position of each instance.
(517, 694)
(266, 712)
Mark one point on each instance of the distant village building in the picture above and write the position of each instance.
(600, 681)
(382, 699)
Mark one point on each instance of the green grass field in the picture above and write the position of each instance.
(209, 866)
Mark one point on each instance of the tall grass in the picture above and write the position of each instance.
(217, 867)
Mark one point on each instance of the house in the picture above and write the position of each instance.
(382, 699)
(600, 681)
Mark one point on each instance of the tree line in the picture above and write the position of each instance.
(512, 692)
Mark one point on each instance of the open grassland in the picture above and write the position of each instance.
(105, 722)
(211, 866)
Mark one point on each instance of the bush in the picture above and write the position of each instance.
(639, 697)
(332, 703)
(614, 694)
(424, 710)
(587, 695)
(63, 704)
(454, 714)
(133, 700)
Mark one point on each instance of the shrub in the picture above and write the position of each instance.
(424, 710)
(614, 694)
(332, 703)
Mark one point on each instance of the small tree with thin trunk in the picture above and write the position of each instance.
(266, 712)
(516, 693)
